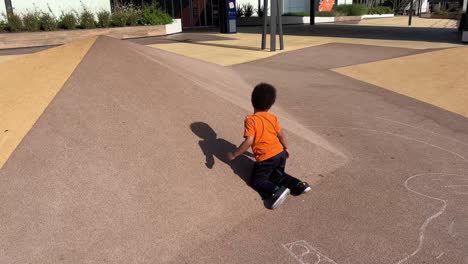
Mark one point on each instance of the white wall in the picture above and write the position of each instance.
(288, 5)
(292, 5)
(57, 6)
(296, 6)
(2, 10)
(343, 2)
(424, 6)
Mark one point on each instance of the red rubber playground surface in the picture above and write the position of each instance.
(126, 165)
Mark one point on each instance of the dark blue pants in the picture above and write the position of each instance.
(269, 175)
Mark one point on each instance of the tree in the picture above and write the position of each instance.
(8, 6)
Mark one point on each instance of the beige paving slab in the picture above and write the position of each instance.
(28, 84)
(437, 78)
(244, 47)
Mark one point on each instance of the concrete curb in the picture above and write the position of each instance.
(35, 39)
(377, 16)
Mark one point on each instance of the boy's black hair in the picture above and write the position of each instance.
(263, 96)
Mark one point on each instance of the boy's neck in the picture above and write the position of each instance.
(259, 111)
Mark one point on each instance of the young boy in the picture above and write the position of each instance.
(269, 145)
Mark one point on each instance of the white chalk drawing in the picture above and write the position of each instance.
(440, 255)
(306, 254)
(422, 230)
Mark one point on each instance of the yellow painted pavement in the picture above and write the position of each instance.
(402, 21)
(28, 85)
(9, 57)
(438, 78)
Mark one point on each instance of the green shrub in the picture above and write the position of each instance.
(374, 11)
(299, 14)
(379, 10)
(104, 19)
(325, 14)
(248, 10)
(387, 10)
(133, 16)
(87, 19)
(344, 9)
(358, 10)
(240, 11)
(48, 22)
(68, 21)
(119, 18)
(351, 10)
(3, 25)
(32, 21)
(260, 11)
(152, 15)
(440, 13)
(14, 23)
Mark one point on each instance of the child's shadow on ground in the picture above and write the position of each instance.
(217, 147)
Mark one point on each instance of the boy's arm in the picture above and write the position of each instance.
(241, 149)
(284, 141)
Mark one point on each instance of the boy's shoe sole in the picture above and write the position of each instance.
(280, 199)
(306, 190)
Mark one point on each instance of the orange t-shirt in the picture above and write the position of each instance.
(264, 127)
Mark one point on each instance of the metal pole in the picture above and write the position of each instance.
(280, 23)
(172, 9)
(312, 12)
(181, 10)
(410, 13)
(204, 11)
(274, 12)
(265, 22)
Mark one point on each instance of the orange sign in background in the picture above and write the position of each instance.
(326, 5)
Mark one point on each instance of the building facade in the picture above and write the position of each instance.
(194, 13)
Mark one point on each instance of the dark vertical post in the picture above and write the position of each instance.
(280, 23)
(265, 23)
(204, 11)
(312, 12)
(273, 13)
(173, 9)
(181, 11)
(259, 7)
(410, 13)
(8, 7)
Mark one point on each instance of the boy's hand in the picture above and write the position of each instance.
(287, 153)
(241, 149)
(230, 156)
